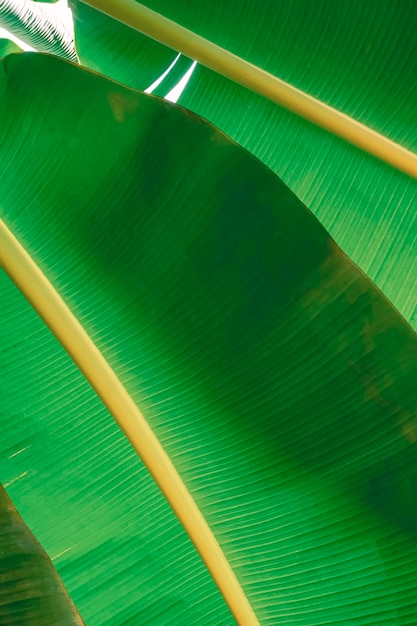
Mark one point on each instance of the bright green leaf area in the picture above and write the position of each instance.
(359, 57)
(8, 47)
(277, 377)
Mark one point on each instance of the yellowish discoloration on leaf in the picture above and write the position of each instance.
(121, 105)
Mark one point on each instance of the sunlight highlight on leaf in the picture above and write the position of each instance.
(176, 92)
(159, 80)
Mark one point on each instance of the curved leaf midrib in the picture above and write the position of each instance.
(41, 294)
(167, 32)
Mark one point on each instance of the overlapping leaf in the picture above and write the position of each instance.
(360, 58)
(30, 590)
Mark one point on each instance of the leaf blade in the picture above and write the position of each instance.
(33, 284)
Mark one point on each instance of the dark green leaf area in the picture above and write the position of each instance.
(246, 276)
(31, 592)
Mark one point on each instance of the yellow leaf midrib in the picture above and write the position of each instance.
(44, 298)
(167, 32)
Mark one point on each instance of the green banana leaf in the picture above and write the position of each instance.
(278, 378)
(359, 57)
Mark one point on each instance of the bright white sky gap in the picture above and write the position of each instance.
(61, 10)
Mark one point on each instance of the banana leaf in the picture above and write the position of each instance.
(278, 378)
(360, 58)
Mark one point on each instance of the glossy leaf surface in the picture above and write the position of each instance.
(279, 380)
(360, 59)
